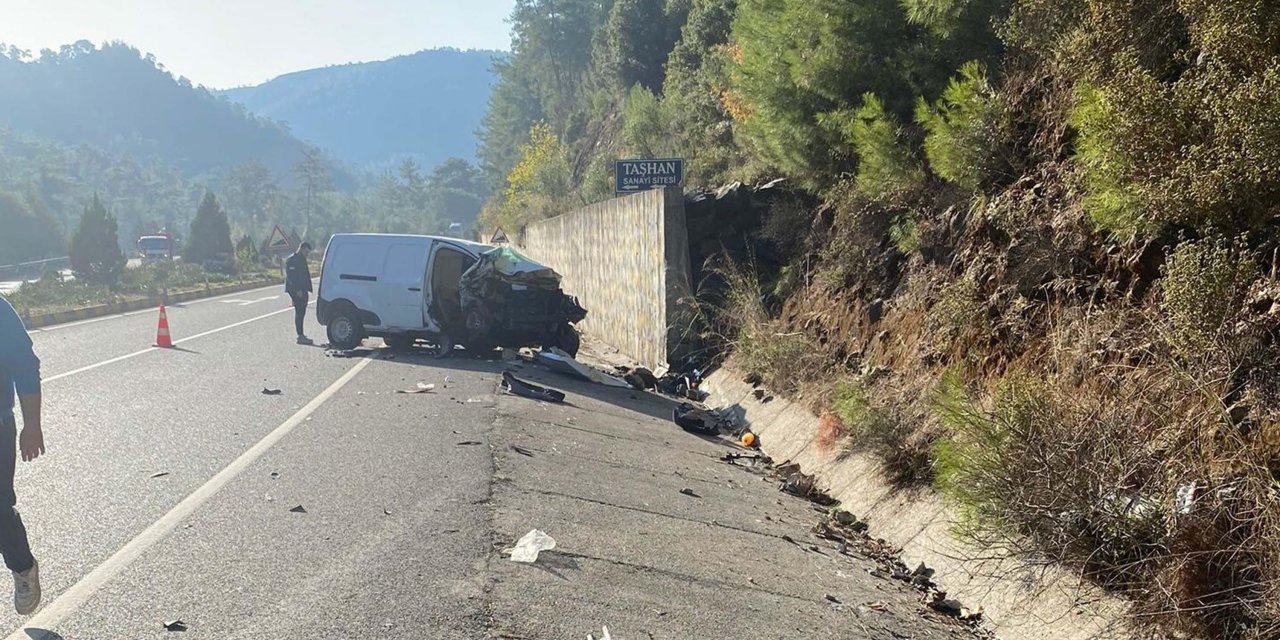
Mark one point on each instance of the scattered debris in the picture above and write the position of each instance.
(798, 484)
(753, 379)
(833, 599)
(422, 388)
(159, 474)
(733, 458)
(522, 451)
(346, 353)
(469, 443)
(298, 509)
(561, 362)
(605, 635)
(749, 440)
(271, 392)
(641, 379)
(518, 387)
(174, 625)
(275, 475)
(938, 601)
(532, 544)
(386, 511)
(1186, 498)
(689, 492)
(758, 394)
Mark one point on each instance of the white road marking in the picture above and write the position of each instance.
(150, 349)
(64, 605)
(245, 303)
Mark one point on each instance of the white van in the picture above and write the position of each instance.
(401, 288)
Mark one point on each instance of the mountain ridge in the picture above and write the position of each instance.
(425, 105)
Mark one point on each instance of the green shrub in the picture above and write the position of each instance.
(1056, 466)
(962, 138)
(886, 167)
(1203, 287)
(905, 234)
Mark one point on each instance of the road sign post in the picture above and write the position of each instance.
(634, 176)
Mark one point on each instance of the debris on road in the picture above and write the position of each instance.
(689, 492)
(532, 544)
(522, 451)
(159, 474)
(271, 392)
(563, 363)
(275, 475)
(733, 458)
(518, 387)
(174, 625)
(684, 383)
(749, 440)
(832, 599)
(469, 443)
(422, 388)
(604, 631)
(640, 378)
(298, 509)
(347, 353)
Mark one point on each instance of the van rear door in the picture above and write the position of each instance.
(399, 287)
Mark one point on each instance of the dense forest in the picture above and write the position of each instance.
(111, 122)
(1040, 275)
(425, 106)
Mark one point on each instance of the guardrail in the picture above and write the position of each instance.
(34, 267)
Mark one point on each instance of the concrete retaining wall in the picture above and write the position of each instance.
(1021, 600)
(627, 260)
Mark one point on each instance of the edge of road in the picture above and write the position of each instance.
(1044, 603)
(112, 308)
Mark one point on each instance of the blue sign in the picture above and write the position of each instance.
(633, 176)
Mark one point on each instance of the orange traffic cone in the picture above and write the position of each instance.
(162, 331)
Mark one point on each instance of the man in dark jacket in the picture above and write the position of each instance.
(20, 373)
(297, 283)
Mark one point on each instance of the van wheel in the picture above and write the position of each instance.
(400, 343)
(345, 330)
(568, 340)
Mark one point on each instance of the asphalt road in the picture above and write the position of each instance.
(174, 489)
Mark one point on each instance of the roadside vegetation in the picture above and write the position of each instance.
(1042, 279)
(101, 274)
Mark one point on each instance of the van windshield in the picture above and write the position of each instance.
(154, 243)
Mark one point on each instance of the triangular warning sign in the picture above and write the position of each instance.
(278, 240)
(499, 237)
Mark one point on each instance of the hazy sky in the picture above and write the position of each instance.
(227, 43)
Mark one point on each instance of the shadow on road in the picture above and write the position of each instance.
(643, 402)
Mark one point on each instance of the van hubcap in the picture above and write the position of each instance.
(342, 329)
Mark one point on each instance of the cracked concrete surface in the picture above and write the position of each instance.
(603, 475)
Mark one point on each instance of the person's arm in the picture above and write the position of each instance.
(31, 442)
(19, 359)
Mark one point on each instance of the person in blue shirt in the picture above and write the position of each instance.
(20, 374)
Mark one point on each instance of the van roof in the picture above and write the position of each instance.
(474, 246)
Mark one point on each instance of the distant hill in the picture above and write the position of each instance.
(427, 106)
(123, 102)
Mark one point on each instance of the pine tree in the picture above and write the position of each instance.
(210, 239)
(95, 246)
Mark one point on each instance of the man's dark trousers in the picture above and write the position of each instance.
(300, 300)
(13, 535)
